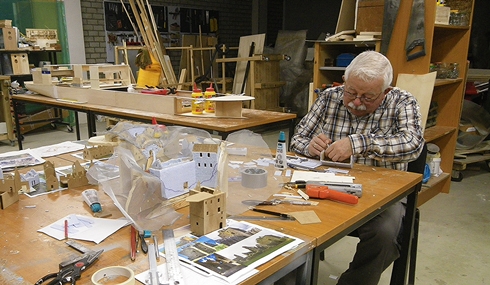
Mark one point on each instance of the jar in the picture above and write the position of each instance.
(453, 70)
(441, 69)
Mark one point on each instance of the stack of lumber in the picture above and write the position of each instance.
(146, 26)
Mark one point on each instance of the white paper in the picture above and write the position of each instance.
(84, 228)
(299, 175)
(57, 149)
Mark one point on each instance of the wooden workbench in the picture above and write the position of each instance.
(255, 120)
(29, 255)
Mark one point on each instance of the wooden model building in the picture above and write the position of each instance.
(9, 190)
(78, 177)
(97, 152)
(52, 182)
(207, 210)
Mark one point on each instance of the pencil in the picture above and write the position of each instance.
(66, 229)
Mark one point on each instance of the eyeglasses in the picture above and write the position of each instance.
(363, 98)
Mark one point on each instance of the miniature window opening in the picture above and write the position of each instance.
(209, 155)
(200, 154)
(219, 209)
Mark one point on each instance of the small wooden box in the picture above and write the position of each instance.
(5, 23)
(20, 63)
(8, 39)
(442, 15)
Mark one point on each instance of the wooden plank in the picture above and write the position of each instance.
(243, 51)
(421, 86)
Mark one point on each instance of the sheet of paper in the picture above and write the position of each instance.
(84, 228)
(57, 149)
(192, 276)
(299, 175)
(21, 158)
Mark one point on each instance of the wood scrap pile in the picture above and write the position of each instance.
(146, 26)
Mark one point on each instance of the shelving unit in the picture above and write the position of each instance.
(330, 51)
(443, 43)
(5, 114)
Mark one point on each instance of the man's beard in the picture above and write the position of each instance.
(357, 108)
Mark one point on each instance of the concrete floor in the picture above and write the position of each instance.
(454, 239)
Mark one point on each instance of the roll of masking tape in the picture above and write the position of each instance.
(117, 275)
(254, 177)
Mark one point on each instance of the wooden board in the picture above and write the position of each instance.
(421, 86)
(20, 63)
(243, 52)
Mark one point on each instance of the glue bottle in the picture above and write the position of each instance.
(281, 160)
(210, 93)
(92, 199)
(197, 101)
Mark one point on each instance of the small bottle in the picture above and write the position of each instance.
(197, 101)
(281, 159)
(209, 105)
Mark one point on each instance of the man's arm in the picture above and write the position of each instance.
(405, 141)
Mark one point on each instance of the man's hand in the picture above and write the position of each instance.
(318, 144)
(339, 150)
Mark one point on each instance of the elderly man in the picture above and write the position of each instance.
(380, 126)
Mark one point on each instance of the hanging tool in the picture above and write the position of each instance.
(416, 31)
(71, 270)
(390, 13)
(323, 192)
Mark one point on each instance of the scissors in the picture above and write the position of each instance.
(70, 270)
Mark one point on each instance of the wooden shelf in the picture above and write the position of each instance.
(335, 68)
(435, 132)
(434, 186)
(443, 82)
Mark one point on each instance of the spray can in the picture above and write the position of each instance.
(281, 160)
(209, 105)
(197, 101)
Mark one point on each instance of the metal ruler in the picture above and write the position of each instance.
(81, 248)
(175, 276)
(154, 276)
(259, 218)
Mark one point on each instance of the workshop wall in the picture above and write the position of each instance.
(234, 22)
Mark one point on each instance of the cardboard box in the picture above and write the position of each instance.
(8, 39)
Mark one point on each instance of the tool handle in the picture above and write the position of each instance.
(144, 246)
(342, 197)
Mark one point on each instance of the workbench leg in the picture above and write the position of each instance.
(77, 125)
(17, 125)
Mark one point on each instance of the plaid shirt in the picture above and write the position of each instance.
(390, 137)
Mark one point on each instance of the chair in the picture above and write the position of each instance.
(408, 251)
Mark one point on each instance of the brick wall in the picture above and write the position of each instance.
(234, 22)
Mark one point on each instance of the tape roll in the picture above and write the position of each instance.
(254, 177)
(114, 274)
